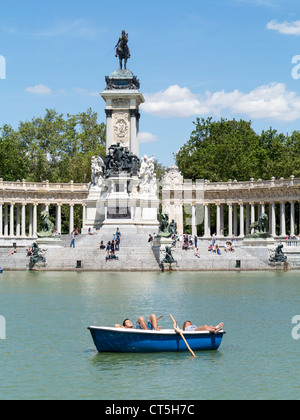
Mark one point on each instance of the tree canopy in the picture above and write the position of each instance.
(52, 148)
(230, 149)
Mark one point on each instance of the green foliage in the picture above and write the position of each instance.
(223, 150)
(52, 148)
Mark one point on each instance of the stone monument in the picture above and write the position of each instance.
(123, 189)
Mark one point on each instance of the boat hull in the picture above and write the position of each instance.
(141, 341)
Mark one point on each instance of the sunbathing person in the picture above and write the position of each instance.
(141, 324)
(188, 326)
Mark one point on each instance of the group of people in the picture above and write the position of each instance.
(215, 248)
(293, 237)
(186, 241)
(112, 246)
(152, 324)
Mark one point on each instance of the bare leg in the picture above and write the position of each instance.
(153, 320)
(142, 323)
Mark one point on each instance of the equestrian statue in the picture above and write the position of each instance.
(122, 50)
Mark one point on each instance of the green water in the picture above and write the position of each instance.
(49, 354)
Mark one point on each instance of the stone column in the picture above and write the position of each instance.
(71, 222)
(218, 220)
(207, 233)
(34, 219)
(179, 218)
(5, 219)
(58, 218)
(273, 212)
(222, 219)
(30, 220)
(230, 231)
(282, 220)
(83, 216)
(242, 221)
(292, 227)
(252, 215)
(23, 227)
(12, 220)
(235, 224)
(194, 226)
(134, 147)
(109, 139)
(18, 226)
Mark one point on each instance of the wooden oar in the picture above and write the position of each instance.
(178, 331)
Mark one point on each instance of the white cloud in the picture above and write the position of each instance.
(145, 137)
(79, 28)
(287, 28)
(173, 102)
(39, 90)
(273, 101)
(86, 92)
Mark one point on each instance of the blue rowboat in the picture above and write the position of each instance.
(122, 340)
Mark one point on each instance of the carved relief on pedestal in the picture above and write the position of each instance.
(121, 128)
(121, 103)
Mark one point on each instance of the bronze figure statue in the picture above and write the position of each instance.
(166, 229)
(37, 257)
(169, 257)
(122, 50)
(279, 255)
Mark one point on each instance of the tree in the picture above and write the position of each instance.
(52, 147)
(223, 150)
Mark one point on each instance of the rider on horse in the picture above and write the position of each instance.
(122, 49)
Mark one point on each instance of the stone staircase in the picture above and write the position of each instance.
(248, 258)
(135, 254)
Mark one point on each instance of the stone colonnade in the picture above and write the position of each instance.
(224, 208)
(20, 201)
(236, 205)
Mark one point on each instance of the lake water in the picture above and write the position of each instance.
(48, 352)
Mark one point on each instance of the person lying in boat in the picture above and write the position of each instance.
(141, 324)
(188, 326)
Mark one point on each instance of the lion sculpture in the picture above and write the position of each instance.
(260, 227)
(47, 226)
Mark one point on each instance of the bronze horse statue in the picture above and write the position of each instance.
(122, 49)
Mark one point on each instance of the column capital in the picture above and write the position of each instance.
(108, 113)
(134, 113)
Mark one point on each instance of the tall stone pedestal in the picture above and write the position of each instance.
(123, 98)
(124, 190)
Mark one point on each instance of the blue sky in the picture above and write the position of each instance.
(198, 58)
